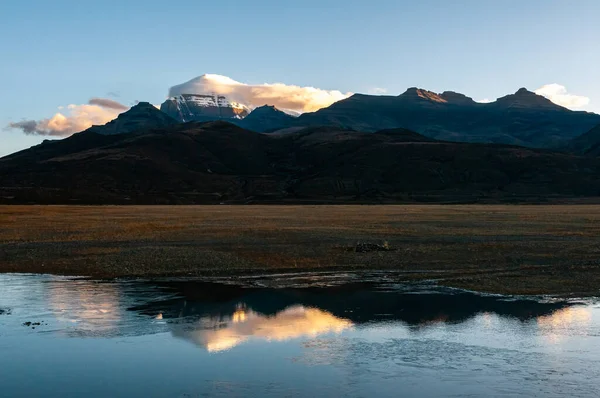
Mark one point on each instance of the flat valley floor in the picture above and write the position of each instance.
(514, 249)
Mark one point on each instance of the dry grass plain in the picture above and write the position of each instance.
(493, 248)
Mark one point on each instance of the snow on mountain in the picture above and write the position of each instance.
(203, 107)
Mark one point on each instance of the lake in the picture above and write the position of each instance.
(317, 335)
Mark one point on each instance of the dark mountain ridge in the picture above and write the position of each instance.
(523, 118)
(218, 162)
(141, 116)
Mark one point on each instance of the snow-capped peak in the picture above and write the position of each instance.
(200, 107)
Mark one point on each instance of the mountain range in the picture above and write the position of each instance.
(148, 157)
(523, 118)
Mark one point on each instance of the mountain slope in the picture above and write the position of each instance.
(523, 118)
(266, 118)
(141, 116)
(219, 162)
(588, 143)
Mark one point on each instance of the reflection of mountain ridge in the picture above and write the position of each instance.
(357, 302)
(219, 316)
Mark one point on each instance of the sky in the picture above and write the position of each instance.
(62, 52)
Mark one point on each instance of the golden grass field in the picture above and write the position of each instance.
(495, 248)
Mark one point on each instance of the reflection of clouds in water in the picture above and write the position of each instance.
(223, 333)
(563, 322)
(487, 319)
(566, 317)
(91, 306)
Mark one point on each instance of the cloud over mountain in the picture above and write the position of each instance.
(108, 103)
(282, 96)
(560, 96)
(73, 118)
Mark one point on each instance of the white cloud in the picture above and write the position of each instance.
(73, 118)
(377, 91)
(283, 96)
(559, 95)
(484, 101)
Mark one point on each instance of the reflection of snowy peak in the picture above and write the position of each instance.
(203, 107)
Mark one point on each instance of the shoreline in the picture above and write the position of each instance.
(242, 279)
(498, 249)
(461, 283)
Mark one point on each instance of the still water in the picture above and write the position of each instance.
(308, 335)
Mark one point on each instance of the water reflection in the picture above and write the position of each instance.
(357, 302)
(566, 317)
(221, 316)
(92, 307)
(87, 308)
(354, 339)
(553, 326)
(224, 332)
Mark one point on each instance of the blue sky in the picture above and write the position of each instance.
(63, 52)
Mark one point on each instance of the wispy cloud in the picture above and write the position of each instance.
(73, 118)
(559, 95)
(108, 103)
(27, 126)
(283, 96)
(377, 91)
